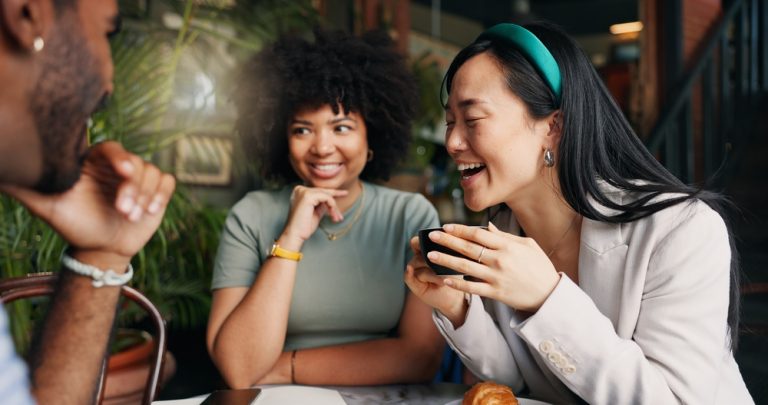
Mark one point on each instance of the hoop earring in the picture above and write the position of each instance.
(549, 158)
(38, 44)
(370, 155)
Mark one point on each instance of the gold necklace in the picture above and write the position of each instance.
(573, 221)
(332, 236)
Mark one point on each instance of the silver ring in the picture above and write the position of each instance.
(480, 255)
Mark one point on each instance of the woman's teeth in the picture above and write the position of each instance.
(327, 167)
(470, 169)
(465, 166)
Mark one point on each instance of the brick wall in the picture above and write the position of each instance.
(699, 16)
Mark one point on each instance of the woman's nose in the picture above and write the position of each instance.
(323, 145)
(454, 141)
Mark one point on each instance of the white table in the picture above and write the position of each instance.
(432, 394)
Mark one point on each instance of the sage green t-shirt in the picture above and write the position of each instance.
(347, 290)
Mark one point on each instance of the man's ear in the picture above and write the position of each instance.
(21, 21)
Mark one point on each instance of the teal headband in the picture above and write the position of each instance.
(533, 50)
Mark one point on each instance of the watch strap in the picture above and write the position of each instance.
(277, 251)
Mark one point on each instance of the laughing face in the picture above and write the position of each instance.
(495, 143)
(328, 150)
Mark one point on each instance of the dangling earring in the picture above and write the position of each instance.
(370, 155)
(549, 158)
(38, 44)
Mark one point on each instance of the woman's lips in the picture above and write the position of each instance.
(470, 169)
(325, 170)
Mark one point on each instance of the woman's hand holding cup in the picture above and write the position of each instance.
(431, 289)
(505, 267)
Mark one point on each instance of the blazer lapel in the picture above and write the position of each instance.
(602, 259)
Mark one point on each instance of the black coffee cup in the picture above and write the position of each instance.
(427, 245)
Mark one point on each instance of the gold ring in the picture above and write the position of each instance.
(481, 254)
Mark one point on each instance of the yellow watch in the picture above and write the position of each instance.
(277, 251)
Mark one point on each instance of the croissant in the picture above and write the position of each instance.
(489, 393)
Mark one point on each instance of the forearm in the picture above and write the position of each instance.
(481, 345)
(72, 344)
(252, 337)
(373, 362)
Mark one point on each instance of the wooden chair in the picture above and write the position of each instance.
(41, 284)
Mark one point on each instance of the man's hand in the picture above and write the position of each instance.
(113, 209)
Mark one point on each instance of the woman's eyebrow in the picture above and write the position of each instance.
(340, 119)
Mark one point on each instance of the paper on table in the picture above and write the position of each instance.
(298, 394)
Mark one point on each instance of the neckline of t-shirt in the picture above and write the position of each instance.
(352, 210)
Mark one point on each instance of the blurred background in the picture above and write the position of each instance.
(690, 75)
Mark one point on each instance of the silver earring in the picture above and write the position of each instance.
(38, 44)
(549, 158)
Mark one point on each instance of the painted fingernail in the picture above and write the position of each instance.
(126, 204)
(135, 214)
(433, 255)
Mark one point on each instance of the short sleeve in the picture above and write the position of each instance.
(420, 214)
(238, 257)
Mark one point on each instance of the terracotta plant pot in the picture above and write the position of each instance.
(128, 369)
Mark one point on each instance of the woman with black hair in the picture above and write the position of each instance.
(308, 280)
(601, 277)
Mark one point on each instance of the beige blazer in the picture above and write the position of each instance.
(645, 325)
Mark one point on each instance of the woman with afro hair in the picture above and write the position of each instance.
(308, 280)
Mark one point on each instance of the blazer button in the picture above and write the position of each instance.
(562, 362)
(554, 357)
(569, 369)
(546, 346)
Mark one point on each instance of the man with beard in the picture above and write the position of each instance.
(55, 71)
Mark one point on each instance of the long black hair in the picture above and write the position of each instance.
(598, 144)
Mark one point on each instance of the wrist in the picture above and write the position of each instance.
(290, 242)
(546, 292)
(101, 259)
(457, 312)
(283, 368)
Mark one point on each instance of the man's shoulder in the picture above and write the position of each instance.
(14, 386)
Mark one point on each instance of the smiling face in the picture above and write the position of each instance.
(75, 78)
(328, 150)
(495, 143)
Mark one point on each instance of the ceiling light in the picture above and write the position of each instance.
(626, 28)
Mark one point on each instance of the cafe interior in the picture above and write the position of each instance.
(690, 76)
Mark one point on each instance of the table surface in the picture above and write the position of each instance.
(427, 394)
(432, 394)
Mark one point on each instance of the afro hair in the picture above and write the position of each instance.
(364, 74)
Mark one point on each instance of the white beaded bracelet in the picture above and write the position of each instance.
(100, 277)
